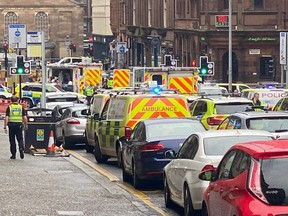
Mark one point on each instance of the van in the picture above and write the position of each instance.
(97, 103)
(269, 97)
(235, 86)
(121, 113)
(69, 60)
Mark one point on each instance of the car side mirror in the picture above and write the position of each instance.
(123, 139)
(206, 175)
(170, 154)
(96, 116)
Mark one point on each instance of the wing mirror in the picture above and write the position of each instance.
(85, 112)
(123, 139)
(170, 154)
(207, 175)
(96, 116)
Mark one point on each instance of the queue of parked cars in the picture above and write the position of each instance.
(162, 137)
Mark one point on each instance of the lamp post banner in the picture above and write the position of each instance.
(283, 48)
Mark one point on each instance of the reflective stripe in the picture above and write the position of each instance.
(89, 91)
(15, 114)
(121, 78)
(110, 83)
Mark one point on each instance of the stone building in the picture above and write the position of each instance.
(188, 29)
(56, 18)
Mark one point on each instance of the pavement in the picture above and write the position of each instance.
(48, 186)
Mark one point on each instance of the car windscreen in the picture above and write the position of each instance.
(230, 108)
(58, 88)
(62, 99)
(271, 124)
(218, 146)
(169, 130)
(274, 180)
(210, 91)
(77, 114)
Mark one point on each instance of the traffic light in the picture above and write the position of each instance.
(203, 65)
(20, 65)
(90, 50)
(5, 46)
(168, 60)
(72, 47)
(193, 63)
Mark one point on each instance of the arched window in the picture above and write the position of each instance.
(41, 23)
(10, 18)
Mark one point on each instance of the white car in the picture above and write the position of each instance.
(181, 182)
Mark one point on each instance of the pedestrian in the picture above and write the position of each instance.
(88, 92)
(15, 119)
(255, 100)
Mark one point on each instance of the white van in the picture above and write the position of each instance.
(269, 97)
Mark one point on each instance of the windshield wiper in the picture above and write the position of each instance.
(282, 130)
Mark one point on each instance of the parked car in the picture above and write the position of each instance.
(143, 155)
(281, 105)
(71, 127)
(199, 152)
(274, 122)
(250, 180)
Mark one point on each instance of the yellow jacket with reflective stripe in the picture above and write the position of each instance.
(15, 114)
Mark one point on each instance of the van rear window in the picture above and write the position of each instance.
(231, 108)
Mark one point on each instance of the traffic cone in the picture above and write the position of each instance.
(51, 145)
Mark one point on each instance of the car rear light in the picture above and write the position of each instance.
(254, 181)
(153, 147)
(128, 132)
(208, 167)
(73, 121)
(213, 121)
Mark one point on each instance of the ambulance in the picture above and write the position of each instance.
(122, 112)
(183, 79)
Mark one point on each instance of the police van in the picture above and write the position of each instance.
(121, 113)
(269, 97)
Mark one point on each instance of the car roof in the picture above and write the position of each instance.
(225, 100)
(264, 149)
(256, 114)
(75, 108)
(61, 94)
(236, 132)
(169, 120)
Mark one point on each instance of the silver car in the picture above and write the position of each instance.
(71, 127)
(181, 182)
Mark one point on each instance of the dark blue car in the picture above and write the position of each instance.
(143, 155)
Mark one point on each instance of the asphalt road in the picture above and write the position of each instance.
(151, 191)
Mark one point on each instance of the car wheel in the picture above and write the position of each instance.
(125, 176)
(57, 142)
(167, 195)
(28, 102)
(188, 206)
(97, 153)
(66, 142)
(136, 180)
(119, 157)
(204, 210)
(89, 148)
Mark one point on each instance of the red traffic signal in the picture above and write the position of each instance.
(72, 47)
(5, 46)
(193, 63)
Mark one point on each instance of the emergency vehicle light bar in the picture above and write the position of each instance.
(166, 69)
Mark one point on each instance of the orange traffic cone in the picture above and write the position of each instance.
(51, 145)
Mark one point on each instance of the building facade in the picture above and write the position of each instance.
(60, 20)
(187, 29)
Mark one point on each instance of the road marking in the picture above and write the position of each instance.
(99, 169)
(70, 213)
(140, 195)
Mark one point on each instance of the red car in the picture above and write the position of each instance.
(251, 179)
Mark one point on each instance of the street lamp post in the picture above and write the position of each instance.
(230, 48)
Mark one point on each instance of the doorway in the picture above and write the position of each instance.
(225, 60)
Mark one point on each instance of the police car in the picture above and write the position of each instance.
(5, 93)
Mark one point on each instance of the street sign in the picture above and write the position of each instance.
(283, 48)
(17, 36)
(34, 37)
(121, 47)
(13, 71)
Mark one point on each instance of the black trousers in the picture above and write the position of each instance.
(15, 129)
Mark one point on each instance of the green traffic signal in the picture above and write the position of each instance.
(20, 70)
(204, 70)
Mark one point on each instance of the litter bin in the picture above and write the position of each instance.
(40, 122)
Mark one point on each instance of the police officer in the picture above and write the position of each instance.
(110, 83)
(89, 91)
(15, 116)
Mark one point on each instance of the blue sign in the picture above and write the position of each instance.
(17, 33)
(122, 49)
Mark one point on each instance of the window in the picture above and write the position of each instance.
(157, 78)
(10, 18)
(234, 123)
(240, 164)
(165, 13)
(41, 23)
(265, 67)
(200, 108)
(225, 166)
(223, 124)
(189, 148)
(134, 12)
(105, 110)
(226, 4)
(150, 12)
(258, 4)
(136, 132)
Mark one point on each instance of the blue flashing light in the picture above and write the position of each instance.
(156, 90)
